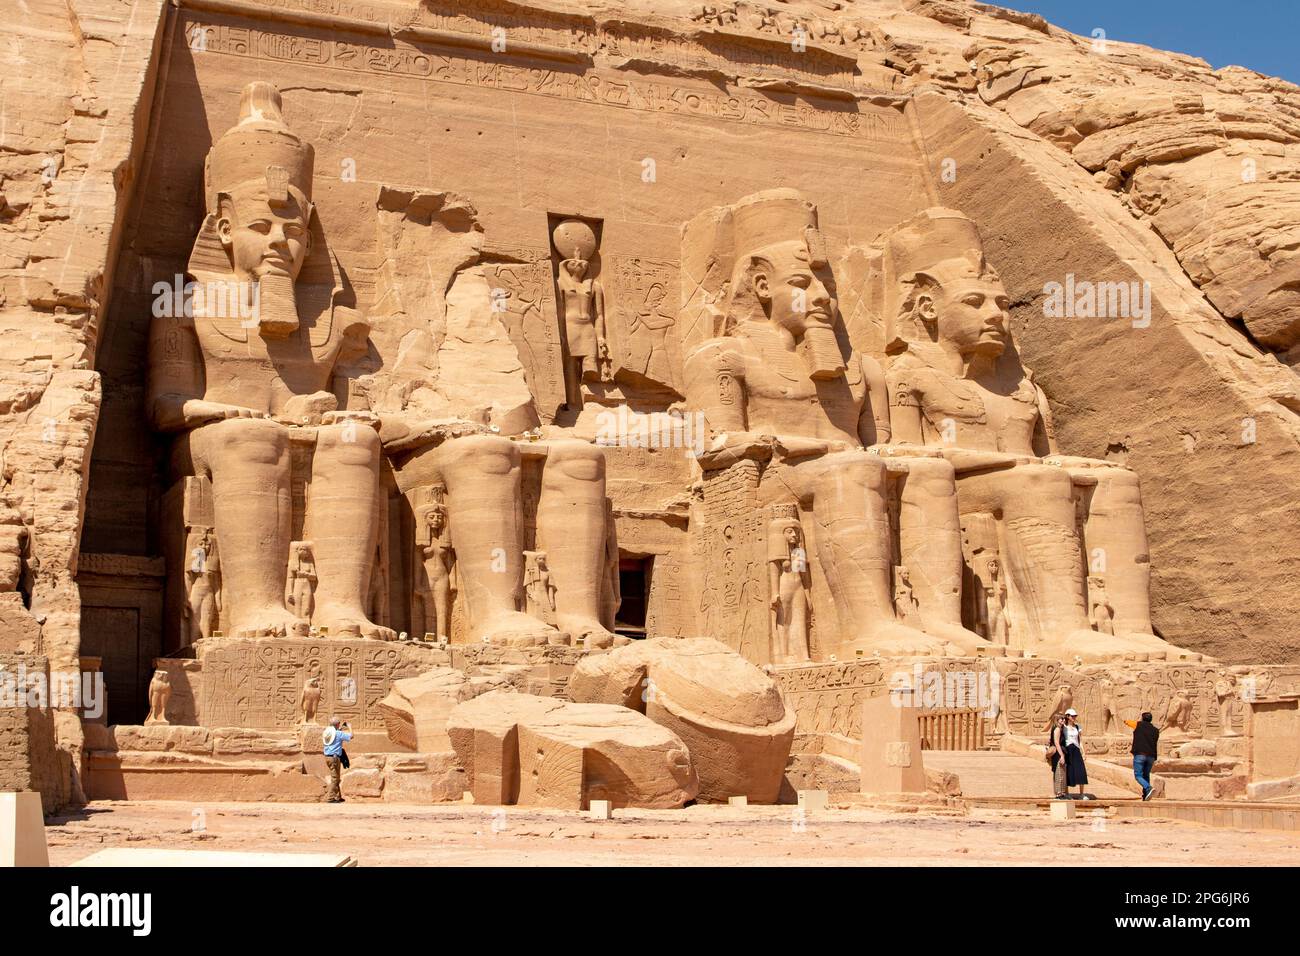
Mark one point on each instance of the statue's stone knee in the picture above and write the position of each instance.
(577, 460)
(251, 440)
(486, 454)
(851, 468)
(1043, 481)
(349, 442)
(1121, 486)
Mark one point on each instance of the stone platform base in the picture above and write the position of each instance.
(1019, 695)
(237, 764)
(259, 683)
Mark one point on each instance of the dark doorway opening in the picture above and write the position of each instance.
(634, 587)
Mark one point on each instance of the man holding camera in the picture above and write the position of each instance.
(334, 737)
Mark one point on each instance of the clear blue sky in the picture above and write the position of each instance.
(1262, 35)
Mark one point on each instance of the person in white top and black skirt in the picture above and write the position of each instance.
(1076, 774)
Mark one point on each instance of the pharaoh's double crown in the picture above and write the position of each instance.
(260, 148)
(939, 242)
(775, 216)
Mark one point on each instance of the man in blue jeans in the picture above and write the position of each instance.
(1146, 736)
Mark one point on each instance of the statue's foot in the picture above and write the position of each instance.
(351, 622)
(377, 632)
(898, 640)
(1093, 647)
(1168, 652)
(268, 622)
(586, 631)
(963, 643)
(514, 629)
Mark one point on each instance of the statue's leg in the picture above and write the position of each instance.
(482, 474)
(343, 526)
(571, 530)
(207, 615)
(420, 612)
(1116, 534)
(573, 381)
(930, 548)
(796, 642)
(247, 460)
(854, 552)
(442, 606)
(1044, 559)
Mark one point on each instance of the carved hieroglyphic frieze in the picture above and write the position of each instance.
(828, 698)
(396, 57)
(259, 683)
(733, 601)
(772, 50)
(523, 297)
(644, 345)
(827, 695)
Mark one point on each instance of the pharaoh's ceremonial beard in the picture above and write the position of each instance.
(275, 305)
(820, 351)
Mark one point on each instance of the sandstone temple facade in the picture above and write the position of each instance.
(495, 371)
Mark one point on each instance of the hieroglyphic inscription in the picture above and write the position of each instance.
(645, 294)
(882, 124)
(733, 601)
(258, 683)
(524, 300)
(828, 698)
(622, 39)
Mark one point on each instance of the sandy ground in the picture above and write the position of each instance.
(465, 835)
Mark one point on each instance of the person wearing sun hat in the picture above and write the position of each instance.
(334, 737)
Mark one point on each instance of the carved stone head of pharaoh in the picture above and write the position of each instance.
(944, 291)
(782, 277)
(259, 186)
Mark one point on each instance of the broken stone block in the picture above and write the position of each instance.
(729, 713)
(415, 710)
(541, 751)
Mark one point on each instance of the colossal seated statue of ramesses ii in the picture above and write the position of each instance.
(251, 360)
(956, 385)
(777, 384)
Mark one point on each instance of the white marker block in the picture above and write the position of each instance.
(1062, 809)
(741, 801)
(600, 810)
(813, 801)
(22, 830)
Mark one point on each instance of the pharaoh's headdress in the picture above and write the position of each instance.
(782, 516)
(939, 243)
(260, 148)
(763, 220)
(261, 152)
(772, 217)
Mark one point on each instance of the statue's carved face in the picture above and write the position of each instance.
(264, 238)
(791, 291)
(576, 268)
(972, 316)
(792, 536)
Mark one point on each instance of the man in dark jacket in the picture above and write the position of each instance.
(1145, 738)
